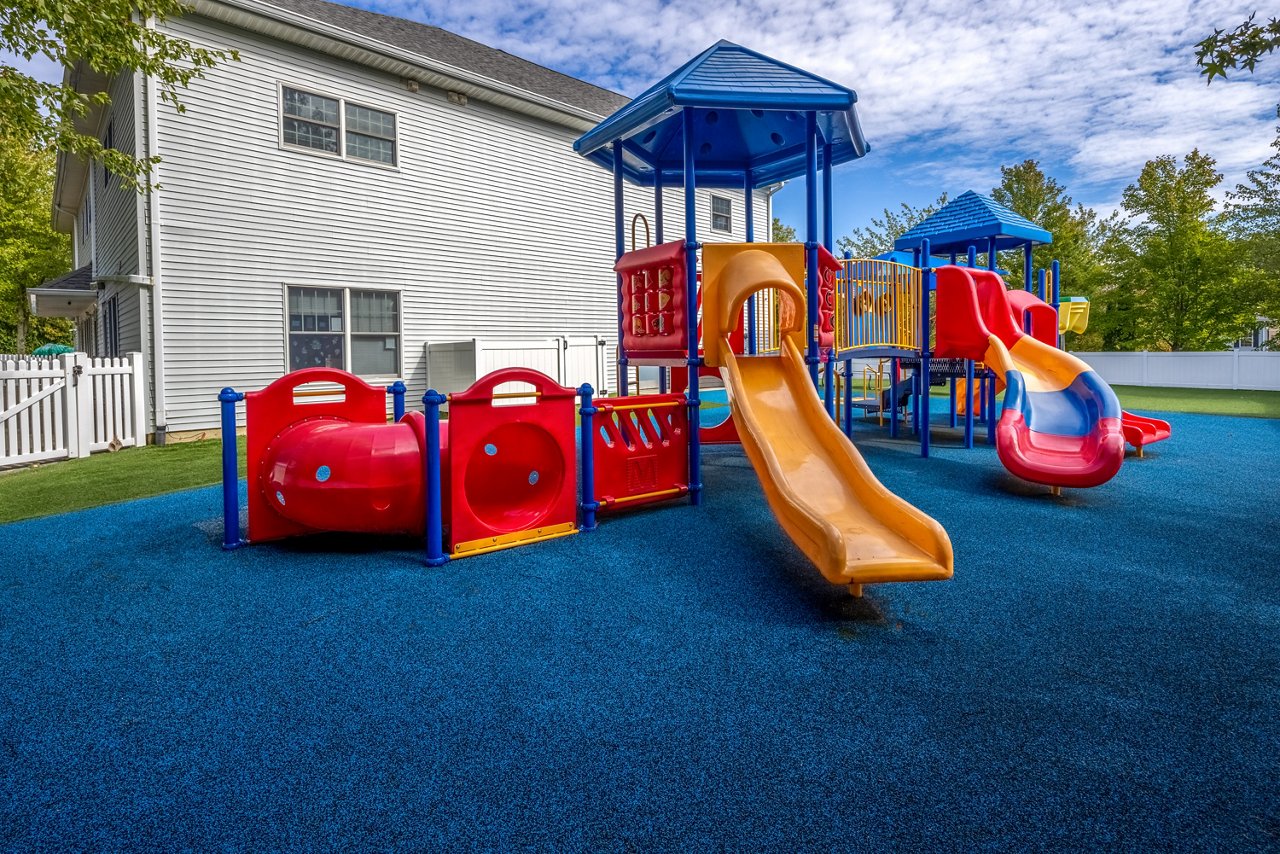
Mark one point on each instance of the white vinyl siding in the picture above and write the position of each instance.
(492, 226)
(116, 205)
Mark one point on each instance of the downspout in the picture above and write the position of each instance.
(153, 265)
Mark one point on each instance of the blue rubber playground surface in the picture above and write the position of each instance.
(1102, 673)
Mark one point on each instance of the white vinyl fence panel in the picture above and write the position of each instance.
(570, 360)
(69, 406)
(1233, 369)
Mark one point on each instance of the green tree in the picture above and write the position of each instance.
(782, 233)
(1079, 236)
(1238, 48)
(31, 252)
(1193, 286)
(878, 236)
(1253, 216)
(107, 37)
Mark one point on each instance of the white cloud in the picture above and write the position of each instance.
(1091, 89)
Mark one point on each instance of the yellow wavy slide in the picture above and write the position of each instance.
(853, 529)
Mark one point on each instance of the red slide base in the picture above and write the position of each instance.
(1140, 431)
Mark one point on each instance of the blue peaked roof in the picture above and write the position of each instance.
(749, 119)
(908, 258)
(972, 219)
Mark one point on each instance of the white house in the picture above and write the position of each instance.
(354, 187)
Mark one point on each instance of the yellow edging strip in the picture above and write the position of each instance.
(679, 490)
(516, 538)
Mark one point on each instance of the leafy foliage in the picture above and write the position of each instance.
(877, 237)
(1253, 216)
(31, 252)
(106, 37)
(1079, 236)
(1242, 47)
(782, 233)
(1196, 290)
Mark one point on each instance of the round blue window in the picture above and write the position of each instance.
(533, 478)
(322, 473)
(491, 449)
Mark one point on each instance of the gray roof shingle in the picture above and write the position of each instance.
(76, 280)
(444, 46)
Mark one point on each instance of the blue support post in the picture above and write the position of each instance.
(953, 421)
(991, 407)
(1057, 297)
(397, 391)
(828, 227)
(228, 398)
(1026, 265)
(893, 398)
(748, 203)
(586, 439)
(433, 400)
(973, 256)
(969, 404)
(926, 346)
(829, 390)
(991, 253)
(848, 397)
(657, 206)
(658, 238)
(691, 304)
(953, 258)
(811, 245)
(915, 403)
(619, 246)
(828, 241)
(1041, 285)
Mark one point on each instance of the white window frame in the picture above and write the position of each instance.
(347, 324)
(341, 153)
(713, 213)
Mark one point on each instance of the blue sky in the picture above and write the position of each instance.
(949, 90)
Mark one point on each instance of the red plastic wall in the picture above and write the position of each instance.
(653, 301)
(643, 450)
(511, 467)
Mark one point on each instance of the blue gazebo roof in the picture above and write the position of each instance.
(749, 118)
(972, 219)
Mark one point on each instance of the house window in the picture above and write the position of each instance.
(333, 126)
(321, 337)
(108, 143)
(371, 134)
(111, 327)
(721, 214)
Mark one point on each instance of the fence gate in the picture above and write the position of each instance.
(69, 406)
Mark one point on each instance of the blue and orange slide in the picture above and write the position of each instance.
(1061, 423)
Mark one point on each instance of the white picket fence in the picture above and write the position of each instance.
(1257, 370)
(69, 406)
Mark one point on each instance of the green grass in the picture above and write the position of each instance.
(1209, 401)
(44, 490)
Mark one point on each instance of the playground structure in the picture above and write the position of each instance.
(780, 323)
